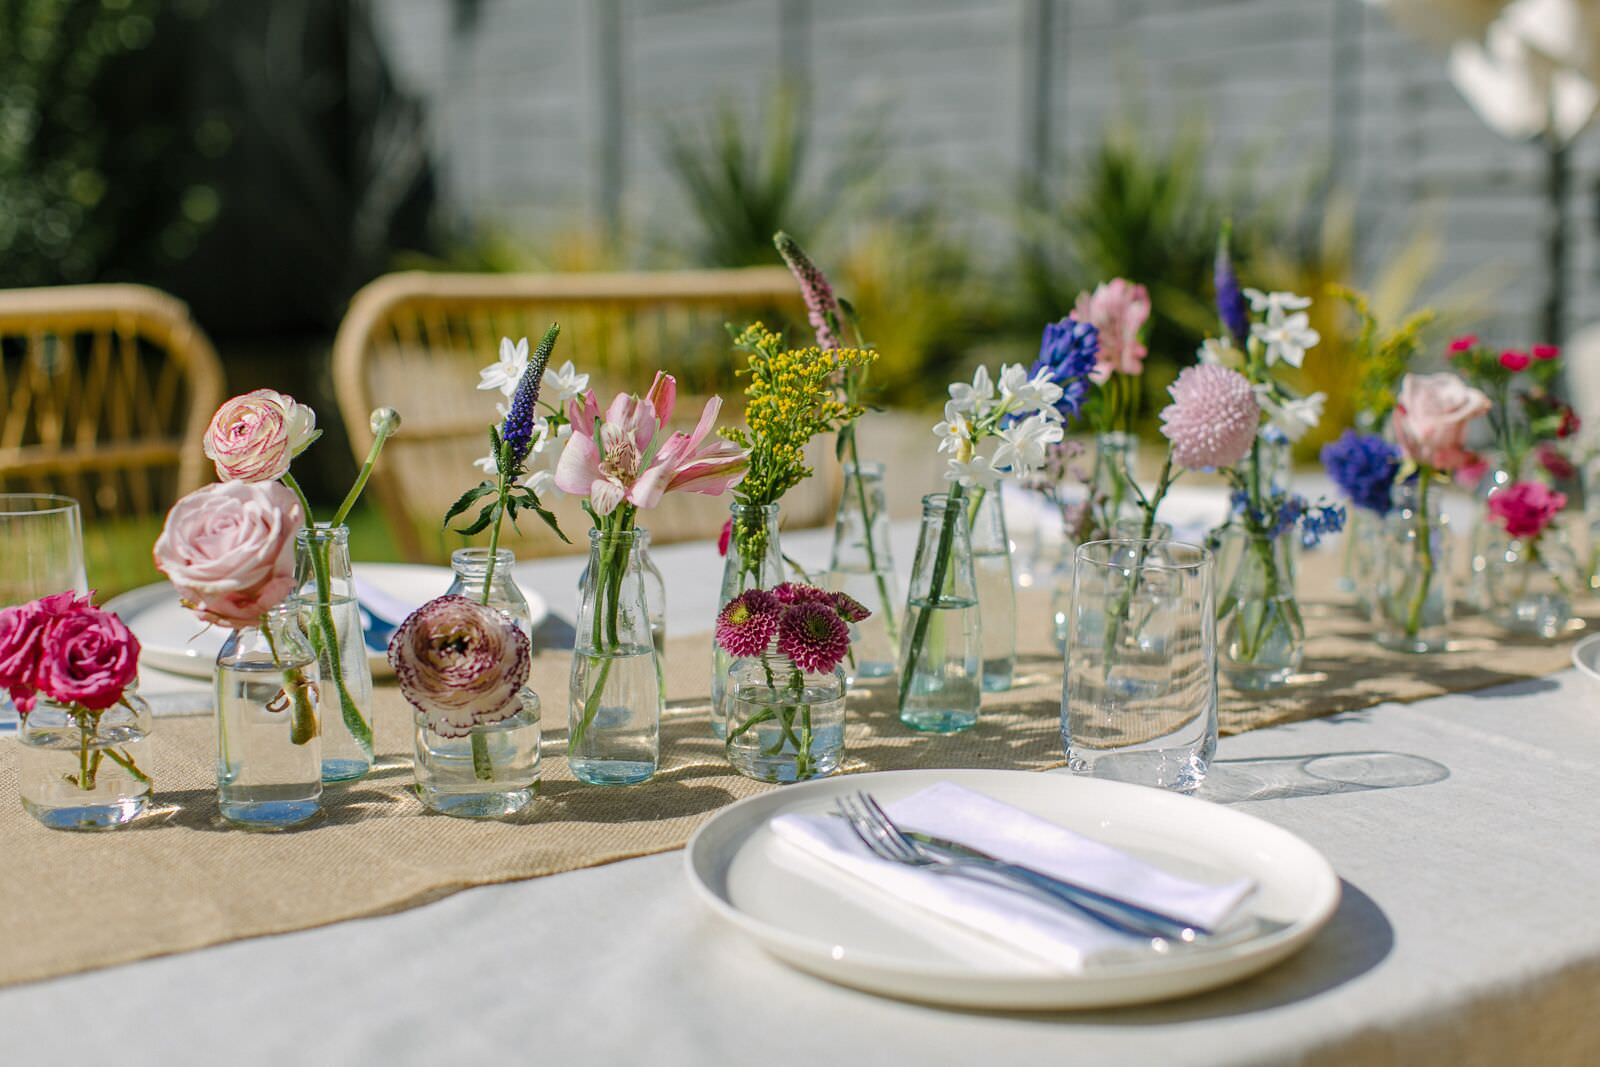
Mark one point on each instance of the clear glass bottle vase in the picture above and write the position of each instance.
(85, 770)
(471, 567)
(1262, 638)
(487, 773)
(614, 698)
(754, 561)
(331, 617)
(1111, 495)
(862, 565)
(785, 724)
(1414, 597)
(996, 584)
(269, 748)
(941, 640)
(1529, 584)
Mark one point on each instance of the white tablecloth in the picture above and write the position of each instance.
(1467, 935)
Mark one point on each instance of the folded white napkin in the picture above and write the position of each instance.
(1054, 934)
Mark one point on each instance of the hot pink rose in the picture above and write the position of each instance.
(1119, 310)
(1465, 343)
(253, 437)
(460, 664)
(1514, 361)
(229, 548)
(1545, 351)
(24, 629)
(1526, 508)
(88, 658)
(1431, 417)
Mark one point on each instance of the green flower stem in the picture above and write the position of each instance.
(605, 638)
(941, 564)
(86, 731)
(482, 765)
(1117, 619)
(361, 479)
(303, 725)
(868, 520)
(1419, 597)
(125, 761)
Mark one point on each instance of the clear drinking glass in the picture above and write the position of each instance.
(1061, 599)
(496, 777)
(269, 754)
(331, 617)
(471, 566)
(754, 561)
(614, 698)
(1139, 702)
(941, 644)
(41, 553)
(786, 724)
(83, 770)
(997, 588)
(862, 565)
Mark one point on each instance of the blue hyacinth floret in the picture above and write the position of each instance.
(1364, 466)
(1068, 354)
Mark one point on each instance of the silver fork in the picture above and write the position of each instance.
(889, 844)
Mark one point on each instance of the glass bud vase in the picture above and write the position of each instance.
(487, 773)
(754, 561)
(1486, 538)
(614, 699)
(1061, 597)
(655, 602)
(85, 770)
(1413, 598)
(1262, 637)
(1111, 495)
(862, 565)
(471, 566)
(1528, 585)
(997, 587)
(785, 724)
(941, 642)
(331, 617)
(269, 752)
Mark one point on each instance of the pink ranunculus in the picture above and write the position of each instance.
(88, 657)
(1526, 508)
(460, 664)
(229, 550)
(253, 437)
(1118, 309)
(1431, 417)
(1514, 361)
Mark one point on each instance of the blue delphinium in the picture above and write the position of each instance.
(1231, 307)
(1284, 511)
(1068, 353)
(1365, 467)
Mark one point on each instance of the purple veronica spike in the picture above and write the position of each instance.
(1230, 298)
(821, 304)
(517, 430)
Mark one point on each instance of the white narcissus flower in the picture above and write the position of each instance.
(974, 473)
(974, 397)
(1287, 339)
(1293, 416)
(1276, 305)
(1020, 394)
(506, 372)
(1221, 353)
(563, 383)
(954, 431)
(1022, 444)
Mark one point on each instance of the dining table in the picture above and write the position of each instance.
(1464, 829)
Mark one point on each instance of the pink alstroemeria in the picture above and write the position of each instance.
(687, 464)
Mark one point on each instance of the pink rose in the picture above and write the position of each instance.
(24, 629)
(1526, 508)
(460, 664)
(229, 549)
(1514, 361)
(253, 437)
(1545, 351)
(1431, 417)
(1119, 310)
(1465, 343)
(88, 658)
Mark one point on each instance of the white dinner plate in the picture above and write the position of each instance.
(844, 930)
(1586, 656)
(172, 639)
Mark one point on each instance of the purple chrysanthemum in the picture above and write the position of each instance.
(797, 593)
(746, 625)
(822, 306)
(849, 608)
(1231, 308)
(813, 636)
(517, 430)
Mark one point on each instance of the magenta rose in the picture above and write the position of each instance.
(460, 664)
(24, 628)
(253, 437)
(1526, 508)
(1431, 416)
(88, 658)
(229, 550)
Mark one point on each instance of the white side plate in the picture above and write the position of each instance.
(846, 931)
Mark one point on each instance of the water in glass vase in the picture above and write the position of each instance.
(997, 588)
(620, 743)
(264, 779)
(497, 777)
(944, 684)
(85, 772)
(770, 750)
(870, 643)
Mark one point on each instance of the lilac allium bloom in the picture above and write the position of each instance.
(822, 306)
(1231, 306)
(1365, 467)
(518, 429)
(1068, 353)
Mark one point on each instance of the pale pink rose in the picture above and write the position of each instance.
(89, 657)
(1431, 417)
(253, 437)
(460, 664)
(229, 550)
(1118, 309)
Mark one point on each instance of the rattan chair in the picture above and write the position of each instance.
(415, 341)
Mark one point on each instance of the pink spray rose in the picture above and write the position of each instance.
(1431, 416)
(1119, 310)
(460, 664)
(88, 658)
(1526, 508)
(229, 549)
(24, 628)
(253, 437)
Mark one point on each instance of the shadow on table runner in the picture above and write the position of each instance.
(180, 879)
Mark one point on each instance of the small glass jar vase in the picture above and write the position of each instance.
(1262, 637)
(862, 565)
(1360, 555)
(269, 752)
(1413, 598)
(1528, 585)
(471, 566)
(331, 617)
(754, 561)
(1111, 495)
(1061, 597)
(785, 724)
(85, 770)
(1486, 538)
(997, 587)
(490, 772)
(614, 698)
(941, 644)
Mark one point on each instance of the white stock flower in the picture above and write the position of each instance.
(1221, 353)
(1022, 444)
(1293, 416)
(506, 372)
(563, 383)
(954, 431)
(1287, 339)
(971, 398)
(1276, 304)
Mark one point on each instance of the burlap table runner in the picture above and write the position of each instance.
(181, 879)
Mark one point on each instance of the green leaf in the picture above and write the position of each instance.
(467, 499)
(485, 517)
